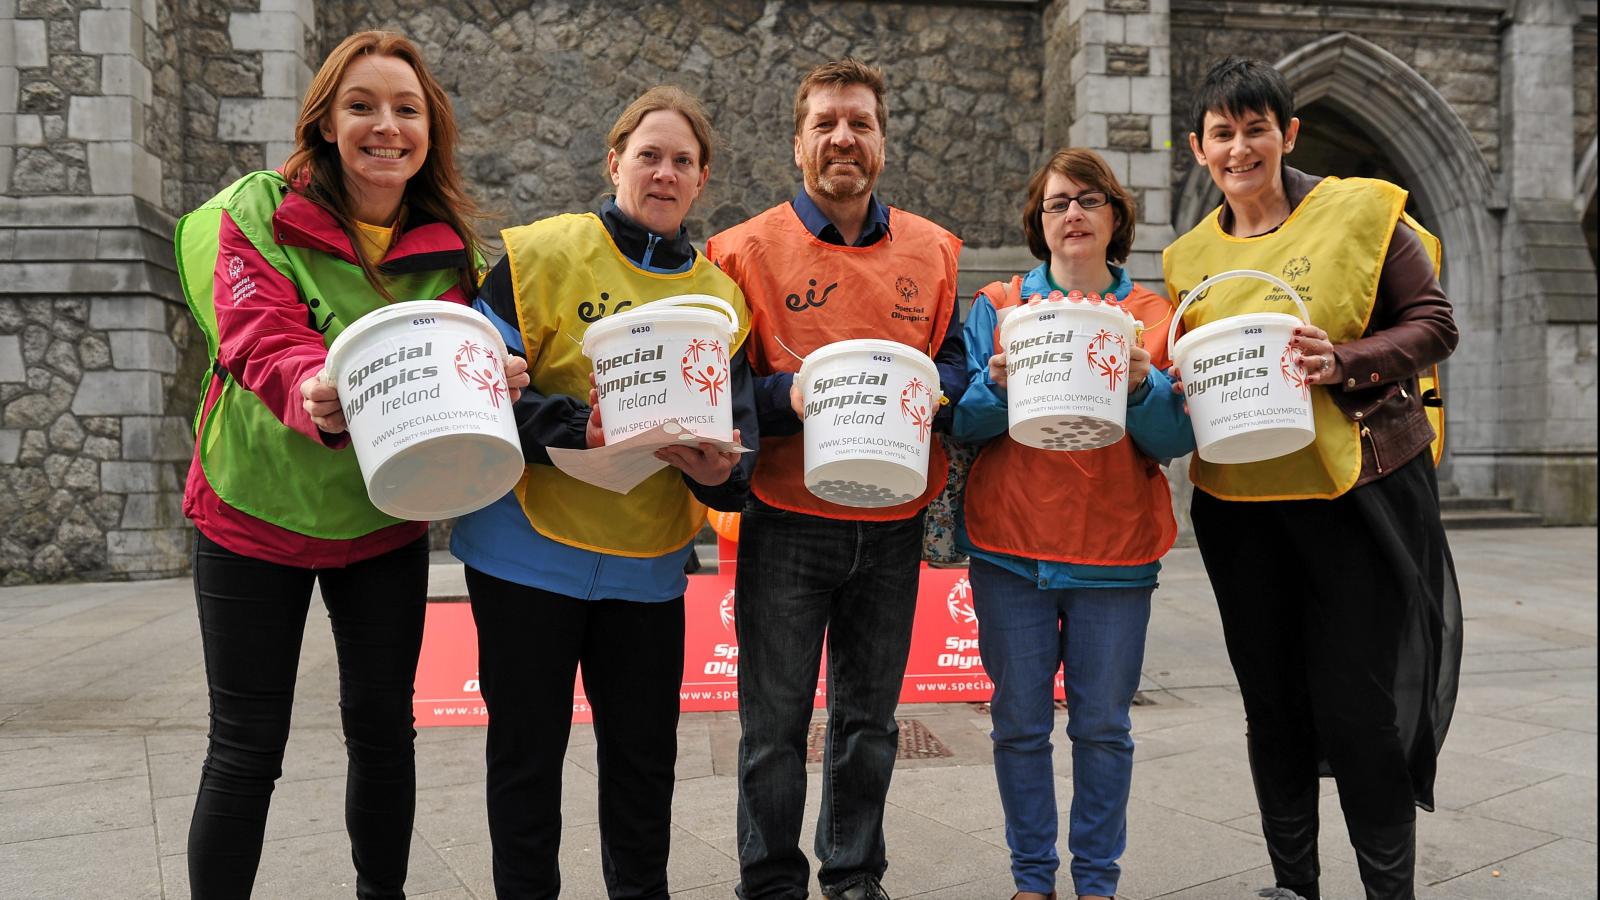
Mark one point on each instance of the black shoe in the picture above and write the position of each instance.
(863, 887)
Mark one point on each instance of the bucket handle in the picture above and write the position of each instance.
(1197, 290)
(717, 303)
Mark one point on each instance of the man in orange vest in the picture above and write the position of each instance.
(833, 264)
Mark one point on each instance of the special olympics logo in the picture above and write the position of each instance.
(959, 603)
(1299, 267)
(906, 288)
(1108, 355)
(711, 378)
(1294, 374)
(725, 610)
(916, 407)
(235, 266)
(477, 367)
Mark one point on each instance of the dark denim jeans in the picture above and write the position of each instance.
(799, 577)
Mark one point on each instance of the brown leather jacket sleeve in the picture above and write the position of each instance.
(1411, 328)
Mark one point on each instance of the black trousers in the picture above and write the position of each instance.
(530, 644)
(252, 620)
(1343, 624)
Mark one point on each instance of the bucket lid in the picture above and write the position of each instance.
(1113, 313)
(408, 309)
(1231, 323)
(869, 345)
(681, 309)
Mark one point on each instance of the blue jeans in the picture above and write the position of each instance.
(1025, 634)
(798, 577)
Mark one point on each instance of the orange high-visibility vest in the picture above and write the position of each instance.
(805, 293)
(1104, 507)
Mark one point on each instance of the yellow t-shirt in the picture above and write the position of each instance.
(375, 240)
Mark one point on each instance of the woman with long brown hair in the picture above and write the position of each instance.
(369, 209)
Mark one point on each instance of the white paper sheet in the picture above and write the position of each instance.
(622, 466)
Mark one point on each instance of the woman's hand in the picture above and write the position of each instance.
(516, 375)
(594, 434)
(702, 462)
(321, 400)
(1317, 358)
(796, 403)
(1138, 367)
(997, 369)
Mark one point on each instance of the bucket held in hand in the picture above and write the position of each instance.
(1247, 393)
(665, 361)
(425, 399)
(1067, 362)
(869, 408)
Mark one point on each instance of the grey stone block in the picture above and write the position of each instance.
(51, 243)
(145, 511)
(143, 350)
(156, 438)
(254, 119)
(105, 119)
(111, 393)
(10, 445)
(112, 313)
(148, 553)
(130, 477)
(111, 31)
(12, 371)
(29, 34)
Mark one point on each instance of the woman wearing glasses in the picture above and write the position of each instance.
(1065, 546)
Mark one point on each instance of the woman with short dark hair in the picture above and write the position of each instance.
(1330, 566)
(1066, 545)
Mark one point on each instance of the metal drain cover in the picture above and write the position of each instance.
(916, 741)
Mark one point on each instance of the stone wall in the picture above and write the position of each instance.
(536, 90)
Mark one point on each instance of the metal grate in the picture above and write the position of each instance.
(916, 741)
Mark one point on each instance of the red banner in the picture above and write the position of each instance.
(943, 665)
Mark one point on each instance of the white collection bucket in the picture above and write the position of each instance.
(1248, 397)
(1067, 372)
(869, 420)
(424, 392)
(665, 361)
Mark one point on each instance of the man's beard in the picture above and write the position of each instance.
(840, 187)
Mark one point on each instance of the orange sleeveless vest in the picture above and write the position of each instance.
(1105, 507)
(805, 293)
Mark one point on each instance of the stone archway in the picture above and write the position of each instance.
(1584, 181)
(1415, 127)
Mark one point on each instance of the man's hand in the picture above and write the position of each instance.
(702, 462)
(321, 401)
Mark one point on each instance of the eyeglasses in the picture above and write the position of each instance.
(1086, 201)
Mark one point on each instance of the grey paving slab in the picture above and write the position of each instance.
(1563, 869)
(1570, 713)
(1562, 751)
(1204, 783)
(315, 867)
(1470, 733)
(28, 814)
(33, 762)
(961, 797)
(1169, 850)
(926, 855)
(1564, 805)
(104, 865)
(1466, 779)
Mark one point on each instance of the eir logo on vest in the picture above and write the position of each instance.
(797, 303)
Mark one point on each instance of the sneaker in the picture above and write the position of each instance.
(865, 887)
(1278, 893)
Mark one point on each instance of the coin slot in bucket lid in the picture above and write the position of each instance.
(689, 308)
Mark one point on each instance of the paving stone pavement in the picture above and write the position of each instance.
(103, 717)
